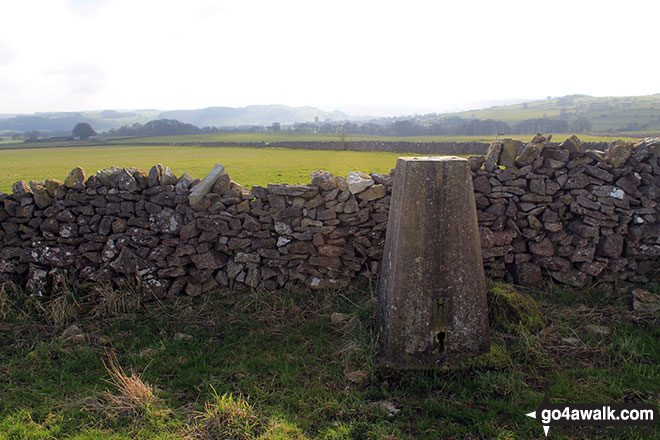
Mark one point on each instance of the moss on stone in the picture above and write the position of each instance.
(511, 310)
(497, 357)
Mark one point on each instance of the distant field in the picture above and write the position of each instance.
(296, 137)
(604, 113)
(247, 166)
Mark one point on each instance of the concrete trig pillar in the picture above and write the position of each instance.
(432, 306)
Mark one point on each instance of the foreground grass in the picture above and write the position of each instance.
(247, 166)
(278, 366)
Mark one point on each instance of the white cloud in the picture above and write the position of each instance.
(64, 54)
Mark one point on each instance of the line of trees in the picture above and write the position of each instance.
(448, 126)
(421, 126)
(159, 127)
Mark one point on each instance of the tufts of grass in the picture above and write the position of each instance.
(10, 294)
(109, 301)
(227, 417)
(62, 307)
(131, 396)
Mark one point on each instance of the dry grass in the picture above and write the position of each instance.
(226, 417)
(61, 308)
(9, 291)
(132, 395)
(111, 301)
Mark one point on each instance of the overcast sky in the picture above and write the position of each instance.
(412, 55)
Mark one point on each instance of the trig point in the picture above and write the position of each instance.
(432, 306)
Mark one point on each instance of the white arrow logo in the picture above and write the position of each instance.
(546, 428)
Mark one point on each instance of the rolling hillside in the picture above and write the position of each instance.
(251, 115)
(627, 113)
(63, 122)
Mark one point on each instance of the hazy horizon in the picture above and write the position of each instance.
(72, 55)
(351, 110)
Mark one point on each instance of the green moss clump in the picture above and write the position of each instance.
(496, 358)
(511, 310)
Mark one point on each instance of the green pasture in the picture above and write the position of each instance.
(248, 166)
(333, 137)
(604, 113)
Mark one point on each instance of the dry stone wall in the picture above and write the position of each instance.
(574, 215)
(432, 148)
(544, 210)
(126, 225)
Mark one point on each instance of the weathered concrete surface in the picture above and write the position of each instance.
(432, 294)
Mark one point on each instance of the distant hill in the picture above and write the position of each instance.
(577, 113)
(63, 122)
(627, 113)
(251, 115)
(56, 123)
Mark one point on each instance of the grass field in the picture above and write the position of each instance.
(605, 113)
(297, 137)
(247, 166)
(256, 365)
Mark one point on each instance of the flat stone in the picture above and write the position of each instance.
(126, 262)
(476, 162)
(374, 192)
(527, 274)
(598, 329)
(75, 179)
(574, 147)
(493, 154)
(509, 152)
(55, 188)
(330, 250)
(168, 177)
(645, 301)
(544, 248)
(126, 181)
(482, 185)
(155, 174)
(21, 189)
(571, 278)
(531, 151)
(283, 229)
(358, 181)
(222, 184)
(41, 196)
(618, 153)
(305, 191)
(209, 260)
(323, 179)
(611, 246)
(184, 183)
(205, 186)
(107, 176)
